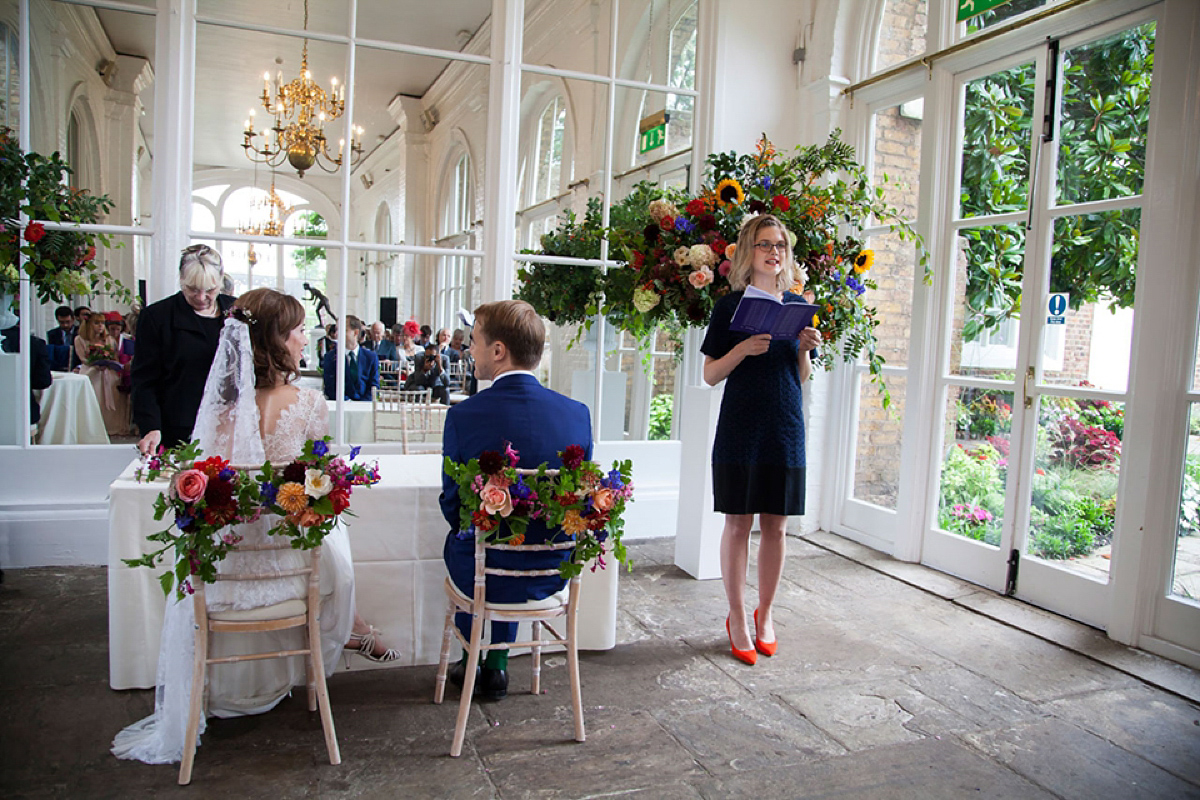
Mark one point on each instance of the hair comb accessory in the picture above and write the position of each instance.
(242, 315)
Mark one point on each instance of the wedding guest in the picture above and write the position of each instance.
(362, 366)
(444, 349)
(61, 340)
(387, 348)
(405, 344)
(39, 365)
(507, 345)
(374, 337)
(426, 335)
(176, 343)
(81, 313)
(758, 459)
(96, 349)
(429, 374)
(329, 340)
(458, 342)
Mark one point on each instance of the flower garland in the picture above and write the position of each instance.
(677, 248)
(582, 501)
(209, 498)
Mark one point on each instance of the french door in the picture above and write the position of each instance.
(1036, 323)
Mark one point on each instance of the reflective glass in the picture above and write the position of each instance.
(974, 475)
(877, 448)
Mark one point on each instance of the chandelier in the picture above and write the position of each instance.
(300, 109)
(267, 215)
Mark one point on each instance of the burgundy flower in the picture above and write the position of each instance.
(757, 207)
(294, 472)
(706, 222)
(218, 494)
(572, 457)
(651, 232)
(490, 462)
(695, 311)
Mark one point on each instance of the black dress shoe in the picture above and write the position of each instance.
(493, 683)
(458, 672)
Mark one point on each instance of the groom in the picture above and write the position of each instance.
(507, 345)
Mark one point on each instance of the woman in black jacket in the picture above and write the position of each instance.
(177, 339)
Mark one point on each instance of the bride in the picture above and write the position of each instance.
(251, 413)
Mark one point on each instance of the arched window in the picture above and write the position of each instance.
(10, 78)
(681, 72)
(458, 205)
(548, 151)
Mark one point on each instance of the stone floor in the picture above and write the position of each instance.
(892, 681)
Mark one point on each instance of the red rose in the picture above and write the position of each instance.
(572, 457)
(34, 232)
(695, 207)
(340, 499)
(89, 254)
(667, 223)
(639, 259)
(718, 246)
(781, 202)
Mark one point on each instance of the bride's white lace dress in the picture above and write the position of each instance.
(248, 687)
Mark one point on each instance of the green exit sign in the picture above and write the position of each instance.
(652, 138)
(969, 8)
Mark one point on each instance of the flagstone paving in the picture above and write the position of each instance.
(891, 681)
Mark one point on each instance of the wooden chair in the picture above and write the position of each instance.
(563, 605)
(389, 375)
(288, 614)
(456, 374)
(411, 415)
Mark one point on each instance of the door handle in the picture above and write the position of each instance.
(1025, 388)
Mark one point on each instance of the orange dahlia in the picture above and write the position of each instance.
(291, 498)
(573, 523)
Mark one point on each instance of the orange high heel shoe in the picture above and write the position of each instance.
(766, 648)
(746, 656)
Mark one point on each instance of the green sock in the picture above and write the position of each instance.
(496, 659)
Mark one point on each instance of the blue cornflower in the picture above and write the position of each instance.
(519, 490)
(614, 479)
(837, 276)
(853, 284)
(227, 474)
(469, 533)
(183, 520)
(354, 451)
(684, 225)
(601, 534)
(320, 448)
(765, 182)
(267, 491)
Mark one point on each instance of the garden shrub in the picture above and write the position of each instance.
(1103, 414)
(1189, 506)
(661, 408)
(1074, 444)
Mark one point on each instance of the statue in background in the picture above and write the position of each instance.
(318, 297)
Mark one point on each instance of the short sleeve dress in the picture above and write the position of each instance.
(758, 455)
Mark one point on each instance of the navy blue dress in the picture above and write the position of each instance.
(758, 455)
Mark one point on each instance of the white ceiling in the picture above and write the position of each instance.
(230, 62)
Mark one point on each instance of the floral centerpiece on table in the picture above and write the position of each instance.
(677, 247)
(582, 500)
(208, 498)
(59, 263)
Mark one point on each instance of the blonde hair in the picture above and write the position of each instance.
(200, 268)
(743, 257)
(93, 328)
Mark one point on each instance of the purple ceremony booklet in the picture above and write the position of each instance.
(761, 312)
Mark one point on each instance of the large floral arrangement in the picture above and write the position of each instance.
(582, 500)
(208, 498)
(677, 247)
(58, 263)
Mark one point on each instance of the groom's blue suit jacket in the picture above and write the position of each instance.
(540, 424)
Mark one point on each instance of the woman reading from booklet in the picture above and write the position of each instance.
(758, 455)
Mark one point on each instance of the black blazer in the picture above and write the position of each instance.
(175, 349)
(39, 366)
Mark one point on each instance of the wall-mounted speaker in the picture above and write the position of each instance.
(387, 311)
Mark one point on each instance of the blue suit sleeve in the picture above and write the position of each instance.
(372, 373)
(449, 499)
(329, 368)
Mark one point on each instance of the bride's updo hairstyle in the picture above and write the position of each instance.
(271, 316)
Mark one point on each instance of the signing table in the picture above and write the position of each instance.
(70, 412)
(360, 420)
(396, 539)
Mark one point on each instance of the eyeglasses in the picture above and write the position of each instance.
(767, 247)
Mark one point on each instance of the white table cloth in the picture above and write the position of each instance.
(360, 421)
(396, 539)
(71, 412)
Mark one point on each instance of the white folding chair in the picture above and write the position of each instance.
(281, 616)
(563, 605)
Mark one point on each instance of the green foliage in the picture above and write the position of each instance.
(1102, 153)
(59, 263)
(1189, 506)
(311, 226)
(661, 408)
(562, 293)
(969, 479)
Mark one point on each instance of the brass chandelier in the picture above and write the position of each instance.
(267, 215)
(300, 109)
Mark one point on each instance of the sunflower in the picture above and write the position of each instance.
(864, 260)
(729, 193)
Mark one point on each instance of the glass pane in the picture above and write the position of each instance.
(1185, 577)
(1001, 14)
(1073, 501)
(997, 116)
(894, 271)
(978, 431)
(87, 401)
(454, 26)
(1089, 341)
(10, 67)
(103, 129)
(325, 16)
(897, 164)
(877, 449)
(901, 32)
(644, 148)
(570, 35)
(987, 291)
(1105, 117)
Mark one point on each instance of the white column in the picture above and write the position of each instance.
(500, 158)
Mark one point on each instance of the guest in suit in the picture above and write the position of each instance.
(387, 348)
(61, 340)
(39, 366)
(362, 366)
(177, 340)
(506, 345)
(374, 337)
